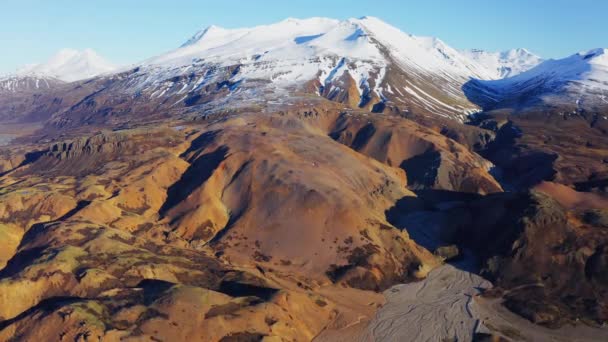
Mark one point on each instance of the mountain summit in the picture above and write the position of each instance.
(364, 62)
(506, 63)
(361, 62)
(70, 65)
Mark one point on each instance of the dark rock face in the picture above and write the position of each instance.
(548, 145)
(29, 103)
(27, 84)
(423, 169)
(548, 261)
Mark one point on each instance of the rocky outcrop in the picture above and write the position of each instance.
(102, 143)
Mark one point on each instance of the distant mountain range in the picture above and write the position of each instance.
(362, 63)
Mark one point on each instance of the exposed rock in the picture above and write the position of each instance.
(102, 143)
(447, 252)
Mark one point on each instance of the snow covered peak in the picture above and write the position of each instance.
(519, 52)
(337, 58)
(70, 65)
(366, 38)
(595, 56)
(506, 63)
(209, 31)
(429, 54)
(286, 40)
(286, 27)
(364, 62)
(588, 67)
(580, 80)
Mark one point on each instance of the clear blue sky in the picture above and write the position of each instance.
(126, 31)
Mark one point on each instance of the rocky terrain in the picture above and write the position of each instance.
(307, 180)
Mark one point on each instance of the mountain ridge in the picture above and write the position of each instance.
(343, 60)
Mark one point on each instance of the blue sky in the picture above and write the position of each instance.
(126, 31)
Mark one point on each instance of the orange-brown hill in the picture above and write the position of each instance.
(257, 225)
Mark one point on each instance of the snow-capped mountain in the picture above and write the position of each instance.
(67, 65)
(586, 69)
(506, 63)
(70, 65)
(579, 81)
(362, 62)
